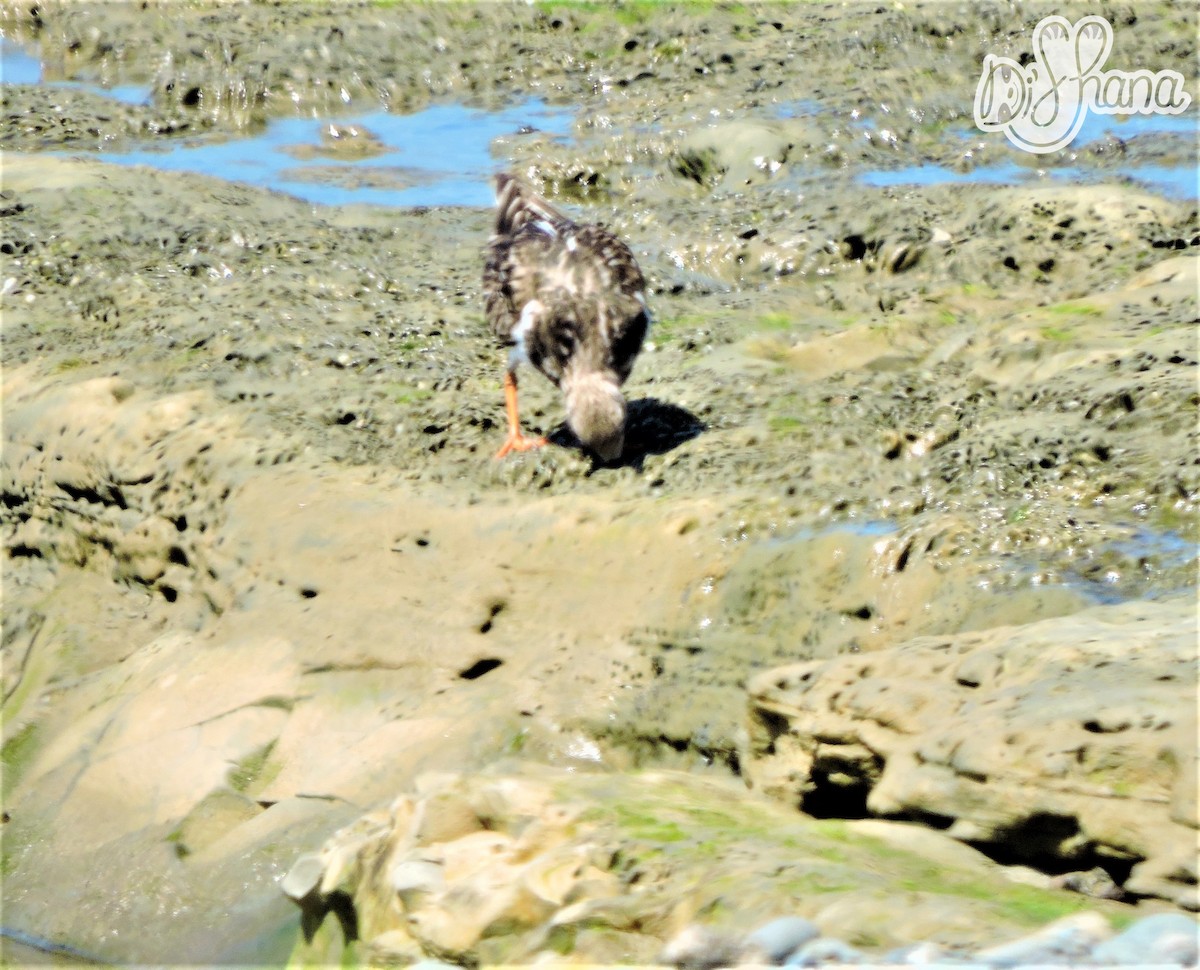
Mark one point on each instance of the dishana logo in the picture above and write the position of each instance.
(1041, 106)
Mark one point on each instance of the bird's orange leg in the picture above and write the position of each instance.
(515, 440)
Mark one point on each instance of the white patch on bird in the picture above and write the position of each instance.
(529, 317)
(641, 298)
(571, 244)
(546, 227)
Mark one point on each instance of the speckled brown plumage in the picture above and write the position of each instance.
(570, 299)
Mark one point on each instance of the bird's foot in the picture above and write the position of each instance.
(518, 442)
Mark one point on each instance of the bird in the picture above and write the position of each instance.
(570, 299)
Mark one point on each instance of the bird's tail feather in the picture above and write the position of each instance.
(517, 204)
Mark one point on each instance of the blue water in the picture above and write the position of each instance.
(19, 66)
(1179, 182)
(443, 149)
(854, 527)
(1097, 126)
(1175, 181)
(1150, 560)
(439, 156)
(128, 93)
(1167, 549)
(801, 108)
(1006, 173)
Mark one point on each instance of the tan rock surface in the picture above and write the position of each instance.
(1059, 742)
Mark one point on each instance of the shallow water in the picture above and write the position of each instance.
(1174, 181)
(1156, 554)
(802, 108)
(1097, 126)
(439, 156)
(1178, 182)
(19, 66)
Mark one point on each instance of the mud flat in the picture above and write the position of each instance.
(895, 584)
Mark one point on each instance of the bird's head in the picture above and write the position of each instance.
(596, 413)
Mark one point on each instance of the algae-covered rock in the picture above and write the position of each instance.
(640, 867)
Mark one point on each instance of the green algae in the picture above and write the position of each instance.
(1075, 308)
(17, 753)
(252, 769)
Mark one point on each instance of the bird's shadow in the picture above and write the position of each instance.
(652, 427)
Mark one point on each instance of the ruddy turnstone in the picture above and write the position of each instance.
(569, 299)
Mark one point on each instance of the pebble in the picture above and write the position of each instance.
(700, 948)
(1081, 940)
(303, 877)
(917, 955)
(781, 937)
(823, 952)
(1169, 938)
(1065, 941)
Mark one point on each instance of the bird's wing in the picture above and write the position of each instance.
(611, 261)
(528, 231)
(498, 301)
(517, 205)
(613, 281)
(601, 335)
(514, 274)
(623, 322)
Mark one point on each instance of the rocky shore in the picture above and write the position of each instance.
(877, 647)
